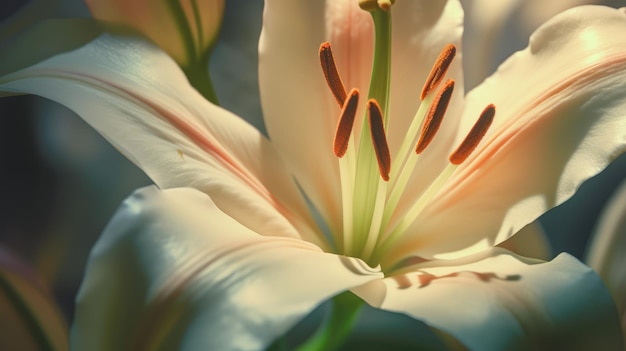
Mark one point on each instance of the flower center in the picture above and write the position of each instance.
(371, 184)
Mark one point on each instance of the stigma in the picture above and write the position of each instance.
(373, 180)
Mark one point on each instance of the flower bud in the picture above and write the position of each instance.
(185, 29)
(29, 317)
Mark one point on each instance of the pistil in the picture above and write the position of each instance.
(368, 202)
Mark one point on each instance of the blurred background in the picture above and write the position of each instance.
(60, 181)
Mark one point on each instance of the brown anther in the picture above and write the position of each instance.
(377, 131)
(331, 74)
(345, 123)
(440, 67)
(474, 136)
(433, 119)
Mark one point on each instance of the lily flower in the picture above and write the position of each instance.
(248, 235)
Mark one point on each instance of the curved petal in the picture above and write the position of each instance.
(483, 28)
(172, 270)
(495, 29)
(505, 302)
(300, 111)
(138, 98)
(606, 250)
(530, 241)
(559, 121)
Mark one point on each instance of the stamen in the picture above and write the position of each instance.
(439, 69)
(379, 139)
(331, 74)
(435, 116)
(345, 123)
(474, 136)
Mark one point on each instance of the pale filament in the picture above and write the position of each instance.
(394, 176)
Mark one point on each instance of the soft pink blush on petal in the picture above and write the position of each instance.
(204, 140)
(171, 132)
(551, 132)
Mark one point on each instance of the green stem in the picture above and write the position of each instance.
(331, 335)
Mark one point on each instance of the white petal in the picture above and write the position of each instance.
(559, 121)
(607, 248)
(138, 98)
(484, 22)
(504, 303)
(300, 112)
(494, 29)
(172, 270)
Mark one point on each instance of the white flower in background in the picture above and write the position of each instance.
(605, 254)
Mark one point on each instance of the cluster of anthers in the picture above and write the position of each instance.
(368, 231)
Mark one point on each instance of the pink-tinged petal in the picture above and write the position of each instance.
(173, 270)
(192, 34)
(607, 248)
(504, 302)
(300, 111)
(559, 120)
(137, 97)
